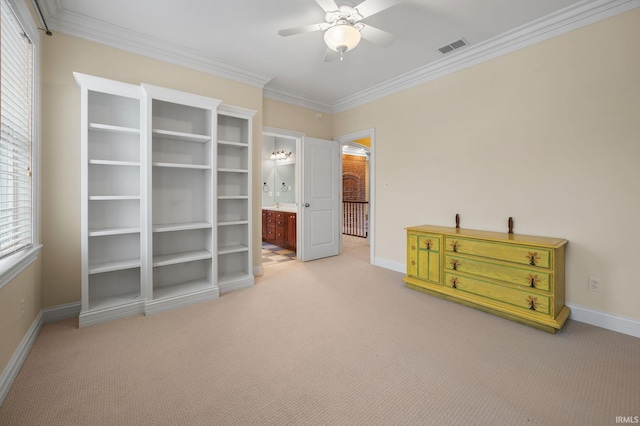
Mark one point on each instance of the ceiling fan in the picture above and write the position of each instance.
(343, 28)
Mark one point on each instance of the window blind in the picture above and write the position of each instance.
(16, 112)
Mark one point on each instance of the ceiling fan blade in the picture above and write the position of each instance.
(331, 55)
(371, 7)
(377, 36)
(327, 5)
(303, 29)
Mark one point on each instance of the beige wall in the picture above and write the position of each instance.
(548, 135)
(62, 55)
(14, 325)
(285, 116)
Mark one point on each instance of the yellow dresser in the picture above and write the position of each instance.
(518, 277)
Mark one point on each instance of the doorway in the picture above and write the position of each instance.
(358, 210)
(280, 177)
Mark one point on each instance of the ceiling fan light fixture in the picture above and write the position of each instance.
(342, 37)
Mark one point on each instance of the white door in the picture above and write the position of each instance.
(321, 207)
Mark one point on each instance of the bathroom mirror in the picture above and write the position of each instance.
(284, 183)
(278, 171)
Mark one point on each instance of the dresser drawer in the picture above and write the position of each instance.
(534, 256)
(429, 242)
(423, 242)
(520, 298)
(514, 274)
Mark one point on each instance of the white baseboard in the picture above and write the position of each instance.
(10, 372)
(604, 320)
(61, 312)
(389, 264)
(103, 315)
(578, 313)
(258, 271)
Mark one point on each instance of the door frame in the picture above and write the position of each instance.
(349, 140)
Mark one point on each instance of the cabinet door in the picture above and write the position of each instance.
(280, 231)
(429, 266)
(291, 231)
(264, 225)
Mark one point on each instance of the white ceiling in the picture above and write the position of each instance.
(239, 38)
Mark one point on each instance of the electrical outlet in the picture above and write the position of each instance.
(594, 284)
(22, 309)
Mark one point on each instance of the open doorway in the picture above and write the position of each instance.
(358, 189)
(280, 195)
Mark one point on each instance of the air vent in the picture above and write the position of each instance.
(453, 46)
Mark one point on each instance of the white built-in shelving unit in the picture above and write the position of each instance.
(111, 199)
(181, 152)
(166, 199)
(234, 264)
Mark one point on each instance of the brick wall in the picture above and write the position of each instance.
(354, 169)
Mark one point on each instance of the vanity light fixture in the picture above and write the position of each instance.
(280, 155)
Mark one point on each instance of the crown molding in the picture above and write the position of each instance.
(299, 99)
(552, 25)
(565, 20)
(74, 24)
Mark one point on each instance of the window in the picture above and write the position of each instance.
(17, 224)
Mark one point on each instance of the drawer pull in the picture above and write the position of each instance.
(454, 264)
(413, 247)
(454, 282)
(533, 302)
(533, 258)
(532, 280)
(454, 246)
(413, 262)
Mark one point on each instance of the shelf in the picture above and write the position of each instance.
(168, 227)
(233, 222)
(181, 136)
(234, 170)
(114, 266)
(188, 256)
(114, 231)
(232, 249)
(233, 197)
(113, 129)
(114, 163)
(238, 144)
(181, 289)
(113, 197)
(114, 301)
(183, 166)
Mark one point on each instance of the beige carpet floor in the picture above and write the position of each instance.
(330, 342)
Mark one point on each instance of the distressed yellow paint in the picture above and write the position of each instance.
(491, 271)
(518, 276)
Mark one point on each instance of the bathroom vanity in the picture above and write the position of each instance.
(279, 226)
